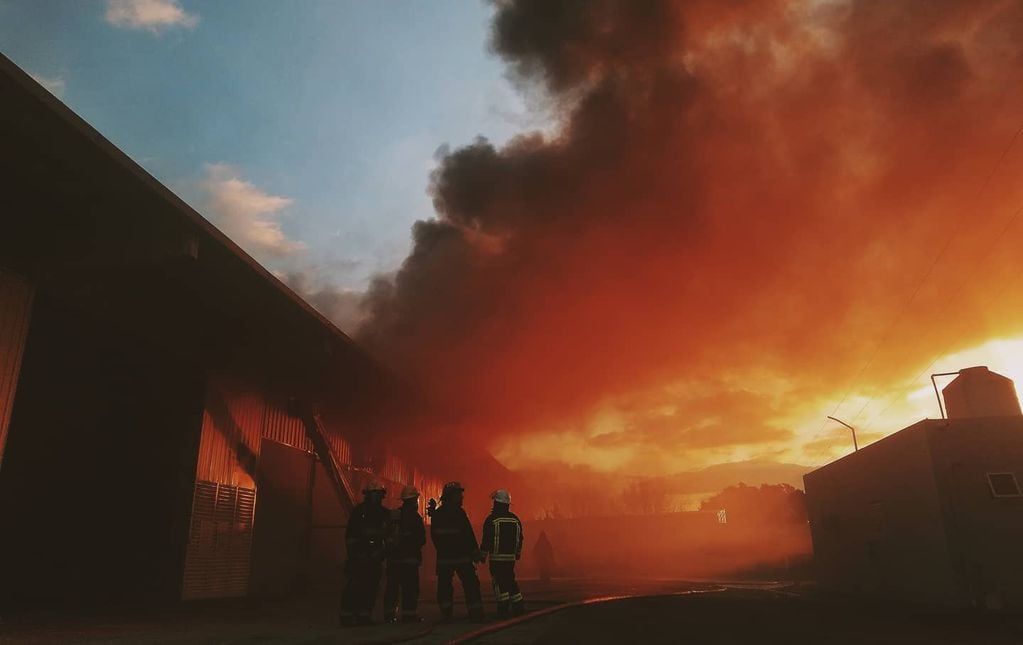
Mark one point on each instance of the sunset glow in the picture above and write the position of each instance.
(744, 222)
(685, 234)
(518, 321)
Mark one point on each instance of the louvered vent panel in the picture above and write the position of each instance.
(219, 552)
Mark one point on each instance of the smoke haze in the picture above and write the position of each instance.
(741, 203)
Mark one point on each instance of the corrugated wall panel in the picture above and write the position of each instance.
(233, 422)
(396, 470)
(15, 308)
(235, 419)
(284, 428)
(342, 449)
(247, 408)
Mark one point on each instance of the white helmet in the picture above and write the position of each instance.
(501, 495)
(372, 486)
(409, 492)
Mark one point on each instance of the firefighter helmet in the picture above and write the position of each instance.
(501, 496)
(373, 486)
(409, 492)
(453, 487)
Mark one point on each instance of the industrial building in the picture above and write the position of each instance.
(932, 513)
(175, 423)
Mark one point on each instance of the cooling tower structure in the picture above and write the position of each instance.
(979, 392)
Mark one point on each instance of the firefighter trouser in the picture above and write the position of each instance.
(362, 581)
(403, 580)
(502, 574)
(470, 586)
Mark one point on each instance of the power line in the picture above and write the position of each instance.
(916, 291)
(962, 287)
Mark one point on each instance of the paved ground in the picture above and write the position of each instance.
(305, 621)
(744, 617)
(731, 614)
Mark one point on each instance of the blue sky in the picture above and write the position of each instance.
(305, 130)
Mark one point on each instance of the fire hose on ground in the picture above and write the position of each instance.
(492, 628)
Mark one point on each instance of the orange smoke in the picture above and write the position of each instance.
(741, 202)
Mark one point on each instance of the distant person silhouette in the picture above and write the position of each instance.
(365, 541)
(544, 553)
(457, 552)
(502, 542)
(405, 555)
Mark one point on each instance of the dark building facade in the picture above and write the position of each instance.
(157, 388)
(932, 513)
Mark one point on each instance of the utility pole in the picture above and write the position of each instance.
(856, 447)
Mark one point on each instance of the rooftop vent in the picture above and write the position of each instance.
(979, 392)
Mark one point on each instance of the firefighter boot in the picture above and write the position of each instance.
(503, 609)
(518, 607)
(476, 615)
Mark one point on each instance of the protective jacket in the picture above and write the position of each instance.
(366, 532)
(408, 535)
(502, 536)
(453, 536)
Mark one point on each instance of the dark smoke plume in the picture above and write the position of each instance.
(739, 197)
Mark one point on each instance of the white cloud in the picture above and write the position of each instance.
(54, 85)
(246, 213)
(151, 15)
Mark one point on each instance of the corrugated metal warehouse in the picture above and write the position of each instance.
(150, 372)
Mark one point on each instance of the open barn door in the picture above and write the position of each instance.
(280, 551)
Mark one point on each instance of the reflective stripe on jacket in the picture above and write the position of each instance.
(502, 536)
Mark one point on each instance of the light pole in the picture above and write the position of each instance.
(856, 447)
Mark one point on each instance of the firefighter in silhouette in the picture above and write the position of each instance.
(405, 555)
(544, 553)
(457, 552)
(365, 541)
(502, 543)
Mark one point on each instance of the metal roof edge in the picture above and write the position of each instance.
(914, 427)
(66, 114)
